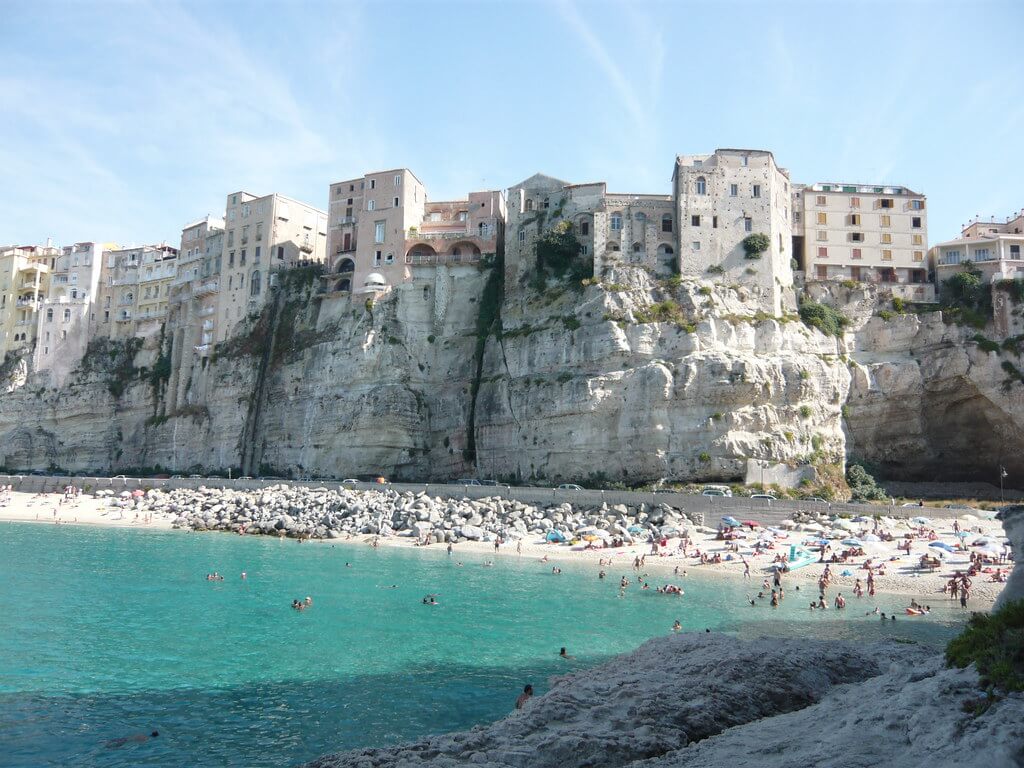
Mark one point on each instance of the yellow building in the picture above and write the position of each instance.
(24, 282)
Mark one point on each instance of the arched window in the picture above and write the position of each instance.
(641, 217)
(637, 247)
(426, 292)
(49, 315)
(616, 221)
(346, 265)
(665, 250)
(254, 283)
(67, 315)
(482, 229)
(456, 251)
(702, 186)
(666, 222)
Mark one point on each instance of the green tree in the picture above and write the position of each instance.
(755, 245)
(558, 253)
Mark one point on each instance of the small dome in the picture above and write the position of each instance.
(375, 278)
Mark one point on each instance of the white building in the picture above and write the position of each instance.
(996, 248)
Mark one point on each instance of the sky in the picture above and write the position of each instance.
(125, 121)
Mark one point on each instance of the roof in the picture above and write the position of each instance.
(541, 181)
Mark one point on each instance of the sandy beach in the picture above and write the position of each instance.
(902, 576)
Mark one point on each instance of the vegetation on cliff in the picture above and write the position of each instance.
(995, 645)
(823, 317)
(966, 298)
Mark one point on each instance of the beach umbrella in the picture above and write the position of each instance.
(962, 534)
(983, 541)
(669, 530)
(871, 537)
(942, 545)
(732, 522)
(588, 529)
(851, 542)
(922, 521)
(752, 523)
(848, 525)
(138, 492)
(634, 529)
(555, 536)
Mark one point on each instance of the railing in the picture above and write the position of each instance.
(441, 258)
(460, 235)
(124, 318)
(208, 325)
(342, 249)
(33, 303)
(202, 349)
(346, 220)
(206, 311)
(210, 286)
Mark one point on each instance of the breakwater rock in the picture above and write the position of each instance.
(770, 698)
(327, 513)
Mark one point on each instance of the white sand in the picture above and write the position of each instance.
(902, 576)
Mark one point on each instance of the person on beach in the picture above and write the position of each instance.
(519, 547)
(746, 568)
(137, 738)
(449, 547)
(524, 696)
(840, 601)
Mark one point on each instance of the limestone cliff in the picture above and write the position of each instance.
(630, 378)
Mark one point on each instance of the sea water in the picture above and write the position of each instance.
(106, 633)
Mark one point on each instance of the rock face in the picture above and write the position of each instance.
(1013, 524)
(632, 379)
(667, 694)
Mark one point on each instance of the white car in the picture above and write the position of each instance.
(767, 496)
(716, 490)
(349, 481)
(570, 487)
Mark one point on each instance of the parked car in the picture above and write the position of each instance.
(467, 481)
(175, 477)
(570, 487)
(195, 477)
(767, 496)
(243, 477)
(349, 481)
(119, 477)
(717, 490)
(816, 498)
(491, 483)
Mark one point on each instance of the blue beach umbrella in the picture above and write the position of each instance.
(732, 522)
(555, 536)
(942, 545)
(852, 542)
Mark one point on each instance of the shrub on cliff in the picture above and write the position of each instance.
(995, 645)
(755, 245)
(559, 251)
(862, 485)
(823, 317)
(966, 298)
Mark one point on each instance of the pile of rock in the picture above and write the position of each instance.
(328, 513)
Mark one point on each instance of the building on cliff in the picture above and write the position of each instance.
(724, 199)
(382, 225)
(66, 317)
(263, 235)
(134, 290)
(866, 233)
(994, 247)
(24, 283)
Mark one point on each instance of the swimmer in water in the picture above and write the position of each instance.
(556, 570)
(138, 738)
(564, 655)
(243, 574)
(309, 600)
(677, 626)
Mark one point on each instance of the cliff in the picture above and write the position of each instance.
(629, 379)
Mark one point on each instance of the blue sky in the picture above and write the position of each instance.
(125, 121)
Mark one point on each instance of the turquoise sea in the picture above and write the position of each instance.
(107, 633)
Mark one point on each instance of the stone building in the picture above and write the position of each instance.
(866, 233)
(613, 228)
(24, 283)
(263, 235)
(721, 200)
(70, 309)
(134, 291)
(994, 247)
(382, 224)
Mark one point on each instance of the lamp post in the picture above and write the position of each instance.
(1002, 475)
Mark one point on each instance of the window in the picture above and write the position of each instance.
(106, 316)
(696, 245)
(981, 254)
(378, 232)
(256, 255)
(1014, 251)
(370, 205)
(823, 271)
(529, 204)
(856, 253)
(584, 227)
(49, 314)
(522, 237)
(63, 336)
(585, 249)
(389, 259)
(616, 221)
(734, 190)
(886, 255)
(396, 202)
(886, 238)
(245, 234)
(695, 221)
(884, 220)
(241, 258)
(666, 223)
(373, 183)
(855, 202)
(230, 278)
(918, 255)
(745, 160)
(915, 222)
(376, 258)
(259, 231)
(822, 252)
(886, 202)
(822, 200)
(757, 190)
(854, 219)
(398, 179)
(637, 248)
(231, 239)
(702, 185)
(918, 239)
(714, 222)
(463, 215)
(857, 237)
(917, 205)
(254, 283)
(822, 217)
(280, 252)
(748, 224)
(231, 258)
(952, 257)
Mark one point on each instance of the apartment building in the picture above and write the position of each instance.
(613, 228)
(721, 200)
(192, 308)
(382, 224)
(866, 233)
(263, 235)
(994, 247)
(134, 291)
(69, 311)
(24, 284)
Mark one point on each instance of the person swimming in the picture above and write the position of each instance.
(136, 738)
(564, 655)
(677, 626)
(524, 696)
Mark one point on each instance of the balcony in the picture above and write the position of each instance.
(124, 317)
(433, 259)
(206, 311)
(24, 303)
(342, 220)
(306, 247)
(208, 325)
(206, 288)
(202, 349)
(461, 234)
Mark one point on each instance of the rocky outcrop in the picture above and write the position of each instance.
(632, 379)
(670, 693)
(1013, 525)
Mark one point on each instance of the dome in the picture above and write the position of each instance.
(375, 278)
